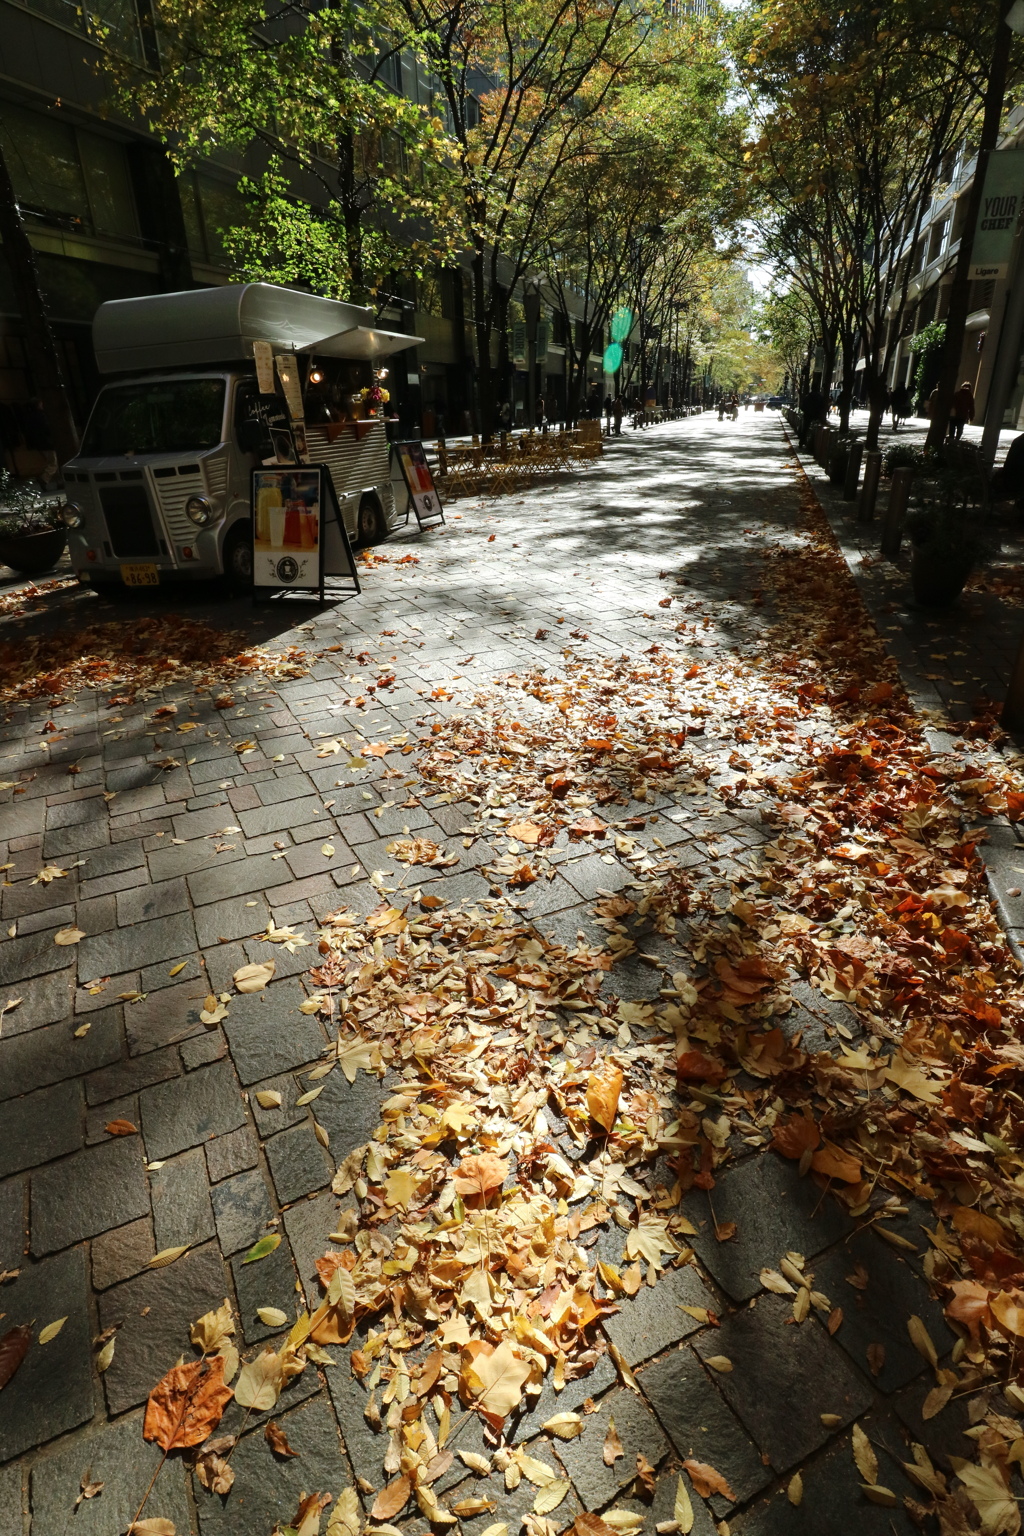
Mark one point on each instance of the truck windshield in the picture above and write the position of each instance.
(174, 415)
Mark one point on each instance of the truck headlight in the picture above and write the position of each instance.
(71, 515)
(199, 510)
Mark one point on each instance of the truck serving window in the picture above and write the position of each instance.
(175, 415)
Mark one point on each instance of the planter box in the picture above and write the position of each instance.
(31, 553)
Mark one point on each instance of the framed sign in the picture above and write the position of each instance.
(419, 482)
(287, 548)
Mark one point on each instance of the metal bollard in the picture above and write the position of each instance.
(824, 446)
(869, 490)
(892, 526)
(852, 479)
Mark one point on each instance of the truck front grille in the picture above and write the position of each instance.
(129, 521)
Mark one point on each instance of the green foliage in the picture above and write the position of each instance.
(24, 508)
(927, 345)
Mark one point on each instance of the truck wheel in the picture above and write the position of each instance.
(238, 558)
(370, 525)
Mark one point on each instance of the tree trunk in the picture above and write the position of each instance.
(44, 359)
(483, 324)
(960, 288)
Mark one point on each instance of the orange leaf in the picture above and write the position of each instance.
(1007, 1309)
(187, 1404)
(276, 1438)
(603, 1096)
(525, 831)
(837, 1164)
(376, 749)
(970, 1305)
(795, 1135)
(480, 1176)
(966, 1219)
(707, 1481)
(121, 1128)
(391, 1499)
(695, 1067)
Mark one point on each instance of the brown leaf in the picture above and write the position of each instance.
(276, 1438)
(13, 1349)
(121, 1128)
(707, 1481)
(645, 1475)
(592, 1525)
(391, 1499)
(612, 1445)
(212, 1470)
(87, 1488)
(1007, 1308)
(478, 1177)
(795, 1135)
(876, 1358)
(603, 1096)
(186, 1404)
(834, 1163)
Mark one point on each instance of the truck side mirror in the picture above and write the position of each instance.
(250, 436)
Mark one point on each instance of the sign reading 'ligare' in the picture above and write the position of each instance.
(999, 214)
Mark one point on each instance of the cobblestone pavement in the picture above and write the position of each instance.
(173, 869)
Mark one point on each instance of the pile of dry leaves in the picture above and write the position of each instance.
(143, 655)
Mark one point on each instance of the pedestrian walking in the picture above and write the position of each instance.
(608, 414)
(812, 410)
(505, 416)
(541, 417)
(899, 404)
(961, 411)
(618, 411)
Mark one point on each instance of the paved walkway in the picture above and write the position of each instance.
(177, 855)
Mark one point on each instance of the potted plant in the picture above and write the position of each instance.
(947, 538)
(32, 534)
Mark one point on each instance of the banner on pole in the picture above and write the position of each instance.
(999, 215)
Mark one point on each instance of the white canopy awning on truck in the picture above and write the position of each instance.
(219, 325)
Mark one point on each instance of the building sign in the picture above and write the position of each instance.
(286, 529)
(999, 215)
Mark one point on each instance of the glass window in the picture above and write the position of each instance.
(223, 206)
(192, 216)
(42, 157)
(110, 192)
(172, 416)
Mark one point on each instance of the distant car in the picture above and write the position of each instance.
(776, 402)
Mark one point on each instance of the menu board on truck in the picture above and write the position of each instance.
(287, 546)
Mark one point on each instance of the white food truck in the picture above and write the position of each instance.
(160, 489)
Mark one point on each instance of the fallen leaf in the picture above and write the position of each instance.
(87, 1489)
(51, 1330)
(988, 1492)
(603, 1096)
(707, 1481)
(272, 1316)
(922, 1341)
(493, 1380)
(276, 1438)
(565, 1425)
(259, 1383)
(864, 1456)
(795, 1489)
(153, 1525)
(211, 1467)
(479, 1177)
(550, 1497)
(612, 1445)
(13, 1349)
(260, 1249)
(682, 1511)
(166, 1256)
(269, 1098)
(68, 936)
(186, 1404)
(105, 1356)
(121, 1128)
(253, 978)
(645, 1476)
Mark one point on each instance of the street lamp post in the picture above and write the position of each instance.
(531, 314)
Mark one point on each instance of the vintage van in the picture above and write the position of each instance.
(160, 489)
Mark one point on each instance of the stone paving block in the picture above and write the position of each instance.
(571, 1398)
(21, 817)
(170, 1015)
(187, 969)
(652, 1319)
(266, 1032)
(242, 1207)
(146, 902)
(13, 1223)
(132, 1075)
(181, 1201)
(267, 1488)
(29, 896)
(156, 1310)
(638, 1430)
(62, 842)
(41, 1126)
(36, 953)
(239, 918)
(62, 916)
(270, 1120)
(12, 1500)
(47, 1000)
(309, 1225)
(700, 1424)
(878, 1312)
(52, 1390)
(777, 1362)
(100, 1187)
(101, 1115)
(944, 1434)
(230, 1154)
(51, 1053)
(833, 1502)
(236, 878)
(200, 1050)
(774, 1210)
(298, 1163)
(142, 944)
(117, 1456)
(268, 1282)
(661, 1509)
(348, 1112)
(190, 1109)
(119, 1254)
(295, 786)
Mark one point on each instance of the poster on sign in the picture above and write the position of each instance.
(419, 482)
(998, 216)
(287, 545)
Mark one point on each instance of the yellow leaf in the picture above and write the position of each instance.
(550, 1497)
(272, 1316)
(864, 1456)
(69, 936)
(166, 1256)
(495, 1381)
(565, 1425)
(309, 1096)
(720, 1363)
(106, 1355)
(876, 1494)
(51, 1330)
(922, 1341)
(269, 1098)
(795, 1489)
(603, 1096)
(253, 978)
(683, 1511)
(987, 1490)
(259, 1383)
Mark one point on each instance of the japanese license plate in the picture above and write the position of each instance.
(140, 576)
